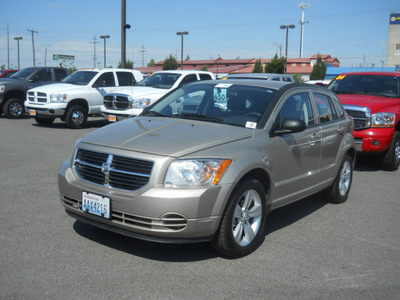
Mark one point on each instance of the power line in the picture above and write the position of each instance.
(33, 45)
(143, 50)
(94, 50)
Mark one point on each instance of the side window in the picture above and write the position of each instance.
(297, 106)
(189, 78)
(325, 107)
(287, 79)
(275, 79)
(106, 79)
(60, 74)
(43, 75)
(125, 78)
(205, 77)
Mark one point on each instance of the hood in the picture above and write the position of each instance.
(165, 136)
(58, 88)
(139, 91)
(374, 103)
(10, 81)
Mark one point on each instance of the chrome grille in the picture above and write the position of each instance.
(112, 170)
(361, 116)
(37, 97)
(114, 101)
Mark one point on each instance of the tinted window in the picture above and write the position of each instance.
(297, 106)
(106, 79)
(325, 108)
(287, 79)
(42, 75)
(60, 74)
(160, 80)
(205, 77)
(189, 78)
(275, 79)
(125, 78)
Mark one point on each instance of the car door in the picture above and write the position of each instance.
(298, 153)
(40, 77)
(104, 84)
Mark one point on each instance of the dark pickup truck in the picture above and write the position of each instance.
(13, 90)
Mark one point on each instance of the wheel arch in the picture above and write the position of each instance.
(79, 101)
(14, 94)
(260, 175)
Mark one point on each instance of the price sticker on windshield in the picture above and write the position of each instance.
(340, 77)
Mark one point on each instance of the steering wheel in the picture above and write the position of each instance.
(253, 114)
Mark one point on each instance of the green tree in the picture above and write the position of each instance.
(258, 68)
(204, 68)
(298, 77)
(319, 70)
(72, 70)
(187, 57)
(129, 64)
(151, 63)
(170, 63)
(277, 65)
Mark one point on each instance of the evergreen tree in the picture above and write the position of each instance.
(204, 68)
(129, 64)
(277, 65)
(258, 68)
(151, 63)
(319, 70)
(170, 63)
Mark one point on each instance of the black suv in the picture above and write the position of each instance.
(13, 90)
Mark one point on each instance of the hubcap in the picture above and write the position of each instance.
(15, 109)
(345, 178)
(77, 117)
(397, 152)
(247, 218)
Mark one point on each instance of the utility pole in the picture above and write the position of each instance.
(8, 47)
(143, 51)
(94, 51)
(124, 26)
(33, 45)
(302, 6)
(45, 54)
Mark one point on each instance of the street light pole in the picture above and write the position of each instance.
(287, 37)
(104, 37)
(18, 38)
(182, 33)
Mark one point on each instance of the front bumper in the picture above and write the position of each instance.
(151, 213)
(49, 110)
(119, 115)
(373, 139)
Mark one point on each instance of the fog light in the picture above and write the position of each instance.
(376, 142)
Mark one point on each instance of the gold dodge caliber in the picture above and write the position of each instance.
(208, 161)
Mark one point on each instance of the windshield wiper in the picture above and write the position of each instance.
(202, 118)
(155, 114)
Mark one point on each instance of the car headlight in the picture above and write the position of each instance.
(140, 103)
(383, 119)
(195, 172)
(2, 88)
(58, 98)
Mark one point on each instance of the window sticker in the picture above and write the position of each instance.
(251, 125)
(219, 94)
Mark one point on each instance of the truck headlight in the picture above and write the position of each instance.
(383, 119)
(195, 172)
(2, 88)
(140, 102)
(58, 98)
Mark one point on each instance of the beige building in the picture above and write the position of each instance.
(393, 49)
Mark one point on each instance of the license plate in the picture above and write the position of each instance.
(112, 118)
(32, 112)
(96, 205)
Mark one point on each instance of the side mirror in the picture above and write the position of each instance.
(291, 125)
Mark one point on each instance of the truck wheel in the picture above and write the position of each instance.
(391, 159)
(340, 189)
(76, 116)
(14, 108)
(242, 226)
(44, 121)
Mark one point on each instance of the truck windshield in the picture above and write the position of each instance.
(160, 80)
(23, 74)
(80, 77)
(367, 84)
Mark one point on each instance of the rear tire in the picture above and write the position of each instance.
(242, 226)
(44, 121)
(76, 116)
(339, 191)
(14, 108)
(391, 159)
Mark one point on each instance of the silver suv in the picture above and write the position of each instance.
(213, 172)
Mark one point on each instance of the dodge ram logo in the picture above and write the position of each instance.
(105, 168)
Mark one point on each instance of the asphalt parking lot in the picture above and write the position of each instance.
(312, 250)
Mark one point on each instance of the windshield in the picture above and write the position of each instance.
(160, 80)
(367, 84)
(23, 74)
(224, 103)
(80, 77)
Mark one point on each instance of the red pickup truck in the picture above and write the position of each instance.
(373, 100)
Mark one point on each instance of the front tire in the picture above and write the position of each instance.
(339, 191)
(76, 116)
(242, 226)
(391, 161)
(14, 108)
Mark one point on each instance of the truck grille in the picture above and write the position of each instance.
(361, 116)
(114, 101)
(112, 170)
(37, 97)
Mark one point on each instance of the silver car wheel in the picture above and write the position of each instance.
(345, 178)
(247, 218)
(397, 152)
(77, 118)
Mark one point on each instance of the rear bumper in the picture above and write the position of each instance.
(373, 139)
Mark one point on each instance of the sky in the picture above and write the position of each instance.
(354, 31)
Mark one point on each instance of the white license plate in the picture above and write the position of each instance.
(112, 118)
(95, 204)
(32, 112)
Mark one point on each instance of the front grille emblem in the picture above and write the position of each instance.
(106, 168)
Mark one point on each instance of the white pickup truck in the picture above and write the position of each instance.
(78, 96)
(130, 102)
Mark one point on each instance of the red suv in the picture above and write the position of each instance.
(373, 100)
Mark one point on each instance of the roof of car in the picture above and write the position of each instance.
(257, 75)
(373, 73)
(183, 71)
